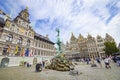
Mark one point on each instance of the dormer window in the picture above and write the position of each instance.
(28, 42)
(19, 22)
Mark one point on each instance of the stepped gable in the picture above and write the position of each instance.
(73, 37)
(24, 15)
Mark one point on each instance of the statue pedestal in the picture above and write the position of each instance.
(60, 63)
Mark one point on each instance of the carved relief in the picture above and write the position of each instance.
(22, 30)
(25, 16)
(32, 34)
(7, 24)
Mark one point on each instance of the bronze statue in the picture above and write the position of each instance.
(58, 41)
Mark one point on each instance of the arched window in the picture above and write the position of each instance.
(5, 50)
(28, 42)
(9, 37)
(20, 40)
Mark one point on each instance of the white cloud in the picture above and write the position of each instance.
(77, 16)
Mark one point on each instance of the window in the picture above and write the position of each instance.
(29, 34)
(19, 22)
(20, 40)
(28, 42)
(25, 33)
(36, 44)
(9, 37)
(38, 52)
(17, 30)
(39, 44)
(13, 25)
(5, 50)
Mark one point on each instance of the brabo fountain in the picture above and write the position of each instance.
(59, 62)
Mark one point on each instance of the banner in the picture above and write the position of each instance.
(16, 50)
(22, 52)
(27, 52)
(9, 49)
(31, 52)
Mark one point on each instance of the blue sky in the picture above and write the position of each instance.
(96, 17)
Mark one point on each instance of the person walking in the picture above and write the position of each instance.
(43, 64)
(107, 62)
(92, 61)
(99, 62)
(38, 67)
(87, 60)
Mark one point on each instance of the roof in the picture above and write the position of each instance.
(43, 38)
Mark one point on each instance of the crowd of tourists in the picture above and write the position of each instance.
(97, 61)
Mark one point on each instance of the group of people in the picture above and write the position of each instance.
(92, 60)
(39, 66)
(27, 64)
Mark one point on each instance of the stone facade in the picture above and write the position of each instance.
(119, 47)
(86, 47)
(100, 45)
(92, 46)
(72, 48)
(82, 44)
(17, 38)
(109, 38)
(43, 46)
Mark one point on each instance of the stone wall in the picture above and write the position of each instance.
(15, 61)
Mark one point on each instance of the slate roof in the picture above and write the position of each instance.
(43, 38)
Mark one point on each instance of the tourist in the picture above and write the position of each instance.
(99, 62)
(92, 61)
(87, 60)
(28, 64)
(38, 67)
(107, 62)
(43, 64)
(82, 60)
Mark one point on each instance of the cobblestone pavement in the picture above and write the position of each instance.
(85, 73)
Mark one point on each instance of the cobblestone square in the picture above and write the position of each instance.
(86, 72)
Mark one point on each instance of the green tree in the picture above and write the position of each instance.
(110, 47)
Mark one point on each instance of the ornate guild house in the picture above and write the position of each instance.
(82, 47)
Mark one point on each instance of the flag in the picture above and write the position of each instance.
(27, 52)
(31, 53)
(9, 48)
(16, 50)
(22, 52)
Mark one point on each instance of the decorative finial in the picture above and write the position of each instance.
(26, 7)
(72, 34)
(46, 35)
